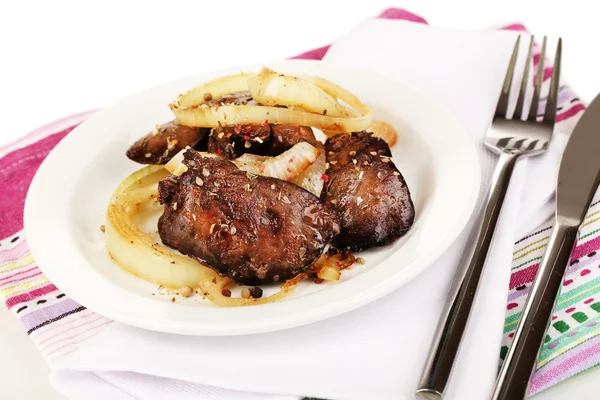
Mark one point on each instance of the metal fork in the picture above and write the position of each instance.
(510, 139)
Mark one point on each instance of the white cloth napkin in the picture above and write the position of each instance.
(377, 351)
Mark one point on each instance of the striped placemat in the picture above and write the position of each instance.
(58, 326)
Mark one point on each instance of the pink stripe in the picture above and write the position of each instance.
(34, 294)
(523, 276)
(315, 54)
(514, 27)
(50, 128)
(70, 328)
(16, 172)
(36, 335)
(569, 363)
(570, 113)
(15, 253)
(19, 273)
(586, 248)
(390, 13)
(57, 356)
(20, 279)
(399, 13)
(78, 335)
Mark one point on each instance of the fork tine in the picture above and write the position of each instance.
(550, 113)
(533, 110)
(523, 91)
(502, 106)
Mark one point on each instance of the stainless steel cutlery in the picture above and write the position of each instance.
(522, 135)
(578, 180)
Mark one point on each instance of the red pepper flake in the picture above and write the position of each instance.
(219, 151)
(325, 178)
(237, 129)
(338, 263)
(265, 122)
(291, 178)
(247, 129)
(289, 170)
(327, 203)
(246, 137)
(291, 160)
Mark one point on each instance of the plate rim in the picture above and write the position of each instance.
(303, 317)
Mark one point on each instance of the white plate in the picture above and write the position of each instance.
(68, 197)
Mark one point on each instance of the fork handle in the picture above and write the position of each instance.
(454, 318)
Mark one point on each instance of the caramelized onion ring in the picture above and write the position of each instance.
(191, 109)
(272, 89)
(136, 251)
(384, 131)
(286, 166)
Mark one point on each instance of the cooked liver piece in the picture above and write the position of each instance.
(251, 228)
(369, 192)
(160, 145)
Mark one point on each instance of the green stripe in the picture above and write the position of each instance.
(589, 234)
(510, 321)
(564, 341)
(576, 295)
(529, 252)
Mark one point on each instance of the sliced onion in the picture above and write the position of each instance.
(190, 108)
(272, 89)
(331, 266)
(338, 93)
(175, 165)
(216, 88)
(384, 131)
(285, 166)
(313, 177)
(329, 273)
(205, 116)
(136, 251)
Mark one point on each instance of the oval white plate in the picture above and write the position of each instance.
(68, 197)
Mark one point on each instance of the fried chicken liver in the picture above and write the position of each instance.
(367, 189)
(251, 228)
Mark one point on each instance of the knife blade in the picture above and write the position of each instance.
(578, 179)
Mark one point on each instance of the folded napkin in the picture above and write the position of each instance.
(376, 351)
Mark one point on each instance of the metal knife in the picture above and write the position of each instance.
(578, 179)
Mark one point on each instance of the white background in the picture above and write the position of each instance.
(59, 58)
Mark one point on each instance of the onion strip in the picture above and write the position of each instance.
(313, 177)
(272, 89)
(384, 131)
(216, 88)
(286, 166)
(191, 109)
(136, 251)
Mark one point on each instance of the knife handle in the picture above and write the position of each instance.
(513, 379)
(454, 318)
